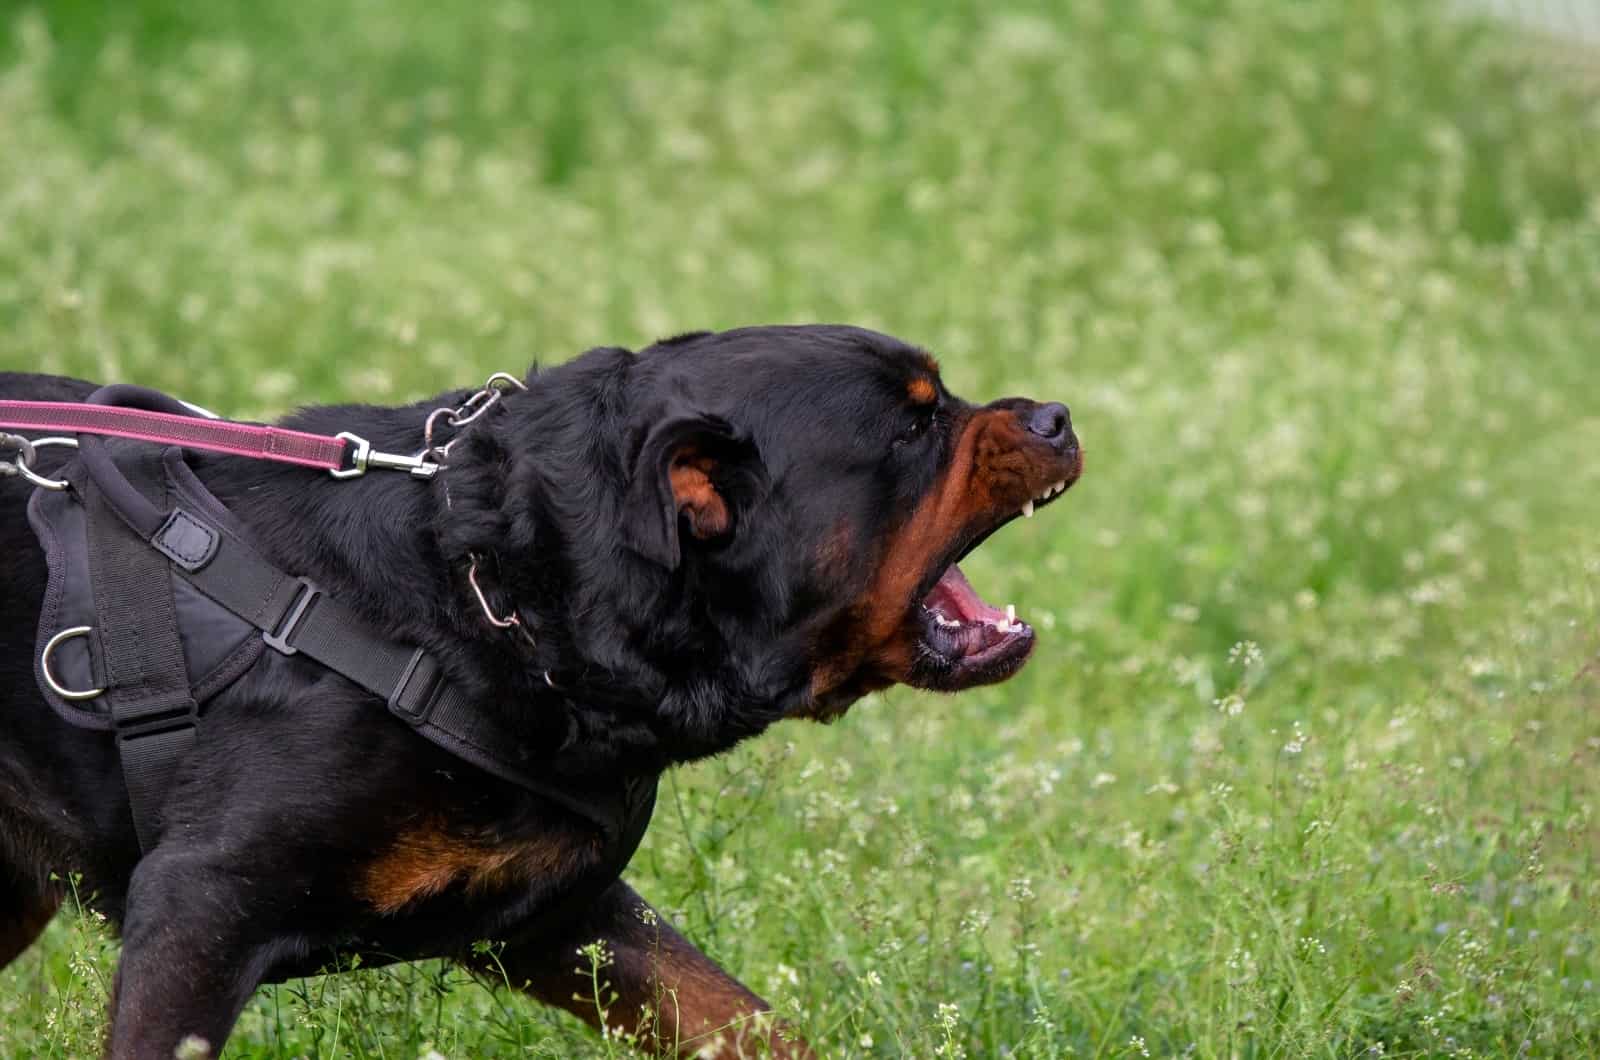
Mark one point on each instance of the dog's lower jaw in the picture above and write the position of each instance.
(828, 704)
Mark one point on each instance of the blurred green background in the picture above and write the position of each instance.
(1308, 759)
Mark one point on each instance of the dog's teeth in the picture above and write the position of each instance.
(1027, 510)
(1059, 486)
(1011, 614)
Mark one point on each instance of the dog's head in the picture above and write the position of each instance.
(766, 522)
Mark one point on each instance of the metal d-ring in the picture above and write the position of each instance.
(44, 664)
(22, 463)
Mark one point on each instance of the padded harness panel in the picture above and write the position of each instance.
(217, 646)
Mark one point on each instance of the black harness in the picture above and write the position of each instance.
(164, 587)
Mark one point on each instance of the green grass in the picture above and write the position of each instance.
(1308, 762)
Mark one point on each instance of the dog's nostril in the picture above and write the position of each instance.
(1050, 422)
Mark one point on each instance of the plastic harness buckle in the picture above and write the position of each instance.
(415, 707)
(278, 639)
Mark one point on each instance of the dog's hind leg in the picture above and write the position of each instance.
(656, 985)
(24, 911)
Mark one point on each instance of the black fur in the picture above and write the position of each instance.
(662, 646)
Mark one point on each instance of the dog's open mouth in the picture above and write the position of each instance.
(969, 641)
(964, 640)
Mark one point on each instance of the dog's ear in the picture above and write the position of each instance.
(692, 469)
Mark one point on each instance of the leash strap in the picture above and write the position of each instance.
(125, 411)
(185, 429)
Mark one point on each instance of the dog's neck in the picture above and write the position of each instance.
(395, 547)
(398, 549)
(516, 493)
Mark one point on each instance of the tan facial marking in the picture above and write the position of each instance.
(988, 472)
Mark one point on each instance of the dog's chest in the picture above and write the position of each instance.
(438, 892)
(432, 861)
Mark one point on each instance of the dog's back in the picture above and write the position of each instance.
(31, 386)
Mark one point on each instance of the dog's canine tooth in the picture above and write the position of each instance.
(1027, 509)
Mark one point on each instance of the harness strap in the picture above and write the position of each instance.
(151, 706)
(296, 616)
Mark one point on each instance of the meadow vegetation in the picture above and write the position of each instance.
(1308, 760)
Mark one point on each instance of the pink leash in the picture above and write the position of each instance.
(344, 455)
(236, 439)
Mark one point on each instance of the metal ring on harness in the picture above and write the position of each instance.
(25, 448)
(44, 664)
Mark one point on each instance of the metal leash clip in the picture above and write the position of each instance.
(26, 449)
(364, 457)
(427, 462)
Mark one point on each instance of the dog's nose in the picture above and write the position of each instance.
(1052, 422)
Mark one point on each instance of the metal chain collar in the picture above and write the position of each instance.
(438, 455)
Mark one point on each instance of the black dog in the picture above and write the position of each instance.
(704, 538)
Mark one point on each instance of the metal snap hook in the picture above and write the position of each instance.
(44, 664)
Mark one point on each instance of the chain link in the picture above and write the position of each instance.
(478, 403)
(481, 401)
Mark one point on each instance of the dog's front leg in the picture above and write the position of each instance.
(192, 952)
(24, 911)
(653, 984)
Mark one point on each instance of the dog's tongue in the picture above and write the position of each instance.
(954, 597)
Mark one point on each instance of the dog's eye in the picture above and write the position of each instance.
(920, 421)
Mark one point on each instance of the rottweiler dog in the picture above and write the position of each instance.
(703, 538)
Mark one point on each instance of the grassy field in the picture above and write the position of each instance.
(1308, 761)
